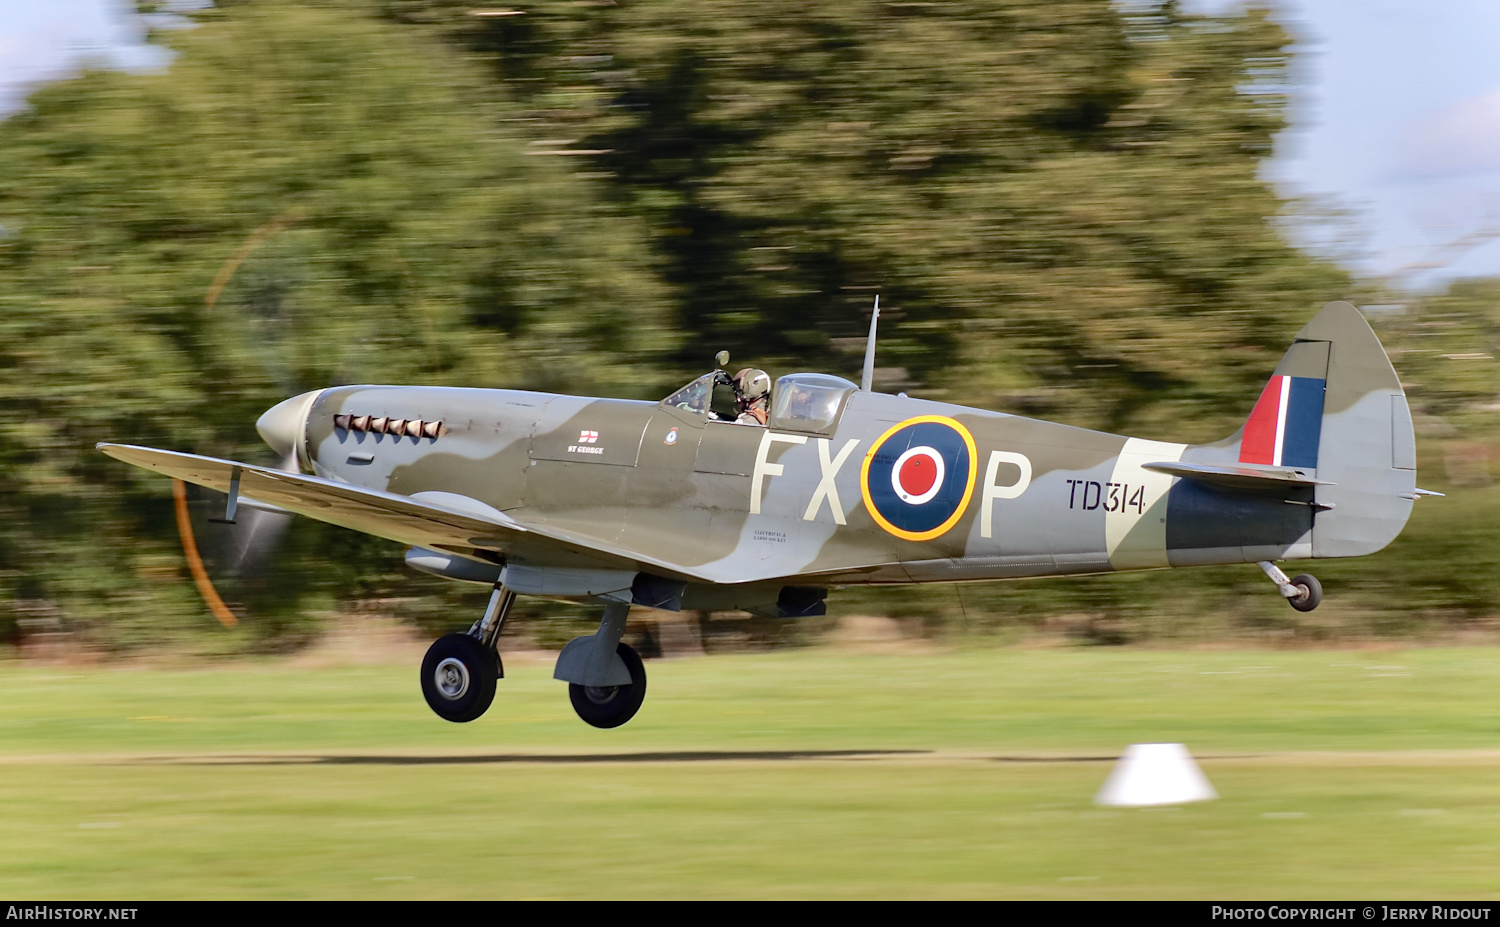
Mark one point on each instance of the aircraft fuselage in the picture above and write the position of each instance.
(1005, 496)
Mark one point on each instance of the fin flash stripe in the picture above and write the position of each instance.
(1286, 424)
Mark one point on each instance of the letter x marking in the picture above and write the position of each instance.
(826, 489)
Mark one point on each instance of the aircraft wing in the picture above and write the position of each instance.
(436, 520)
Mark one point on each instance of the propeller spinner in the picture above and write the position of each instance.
(284, 427)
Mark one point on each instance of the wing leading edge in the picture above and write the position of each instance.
(437, 520)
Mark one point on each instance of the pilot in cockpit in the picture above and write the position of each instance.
(752, 389)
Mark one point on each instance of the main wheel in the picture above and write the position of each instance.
(612, 706)
(1310, 592)
(458, 677)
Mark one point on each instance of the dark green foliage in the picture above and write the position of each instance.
(383, 221)
(1059, 204)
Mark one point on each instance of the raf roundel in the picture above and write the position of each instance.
(918, 475)
(918, 478)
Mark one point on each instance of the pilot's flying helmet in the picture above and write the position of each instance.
(752, 384)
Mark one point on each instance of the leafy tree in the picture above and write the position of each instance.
(307, 196)
(1059, 204)
(1048, 196)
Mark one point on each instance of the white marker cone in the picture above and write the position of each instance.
(1155, 774)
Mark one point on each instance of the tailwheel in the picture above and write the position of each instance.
(612, 706)
(1309, 592)
(458, 677)
(1303, 592)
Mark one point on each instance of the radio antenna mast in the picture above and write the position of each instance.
(869, 375)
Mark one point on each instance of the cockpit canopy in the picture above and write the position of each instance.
(799, 402)
(808, 401)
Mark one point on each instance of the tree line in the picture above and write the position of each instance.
(1058, 203)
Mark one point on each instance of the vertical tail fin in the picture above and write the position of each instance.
(1335, 405)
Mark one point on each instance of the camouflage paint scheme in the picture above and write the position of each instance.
(581, 498)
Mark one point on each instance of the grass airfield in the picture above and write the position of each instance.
(1342, 774)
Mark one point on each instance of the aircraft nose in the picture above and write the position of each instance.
(284, 425)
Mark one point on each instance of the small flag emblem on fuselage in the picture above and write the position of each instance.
(588, 437)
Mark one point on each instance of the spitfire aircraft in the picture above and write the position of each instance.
(674, 505)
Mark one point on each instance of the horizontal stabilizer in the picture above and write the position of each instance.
(1238, 476)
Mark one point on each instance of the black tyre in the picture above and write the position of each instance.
(612, 706)
(1310, 592)
(458, 677)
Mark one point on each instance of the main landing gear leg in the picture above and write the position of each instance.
(606, 681)
(460, 670)
(1303, 591)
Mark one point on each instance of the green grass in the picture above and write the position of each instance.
(1342, 774)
